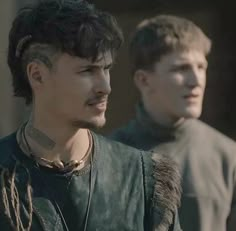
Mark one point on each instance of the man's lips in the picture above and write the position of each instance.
(99, 104)
(96, 101)
(193, 93)
(192, 97)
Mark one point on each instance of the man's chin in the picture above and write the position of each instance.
(193, 113)
(93, 124)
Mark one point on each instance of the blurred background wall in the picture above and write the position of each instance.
(215, 18)
(12, 110)
(6, 104)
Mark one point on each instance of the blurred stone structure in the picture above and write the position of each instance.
(215, 18)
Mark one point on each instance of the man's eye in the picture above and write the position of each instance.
(183, 67)
(107, 68)
(202, 67)
(86, 70)
(180, 68)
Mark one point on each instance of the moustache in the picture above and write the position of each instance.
(97, 100)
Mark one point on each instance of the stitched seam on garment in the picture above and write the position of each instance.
(40, 218)
(57, 223)
(146, 215)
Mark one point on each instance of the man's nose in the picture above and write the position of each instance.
(103, 83)
(195, 78)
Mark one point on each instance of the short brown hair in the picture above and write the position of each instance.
(155, 37)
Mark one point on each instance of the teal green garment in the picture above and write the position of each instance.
(119, 191)
(207, 161)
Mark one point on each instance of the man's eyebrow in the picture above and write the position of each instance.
(109, 65)
(180, 64)
(186, 62)
(96, 66)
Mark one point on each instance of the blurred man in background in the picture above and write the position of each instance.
(168, 57)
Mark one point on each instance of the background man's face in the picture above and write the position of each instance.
(76, 90)
(177, 84)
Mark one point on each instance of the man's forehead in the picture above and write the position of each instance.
(103, 59)
(186, 56)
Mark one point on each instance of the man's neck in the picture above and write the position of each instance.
(52, 142)
(162, 119)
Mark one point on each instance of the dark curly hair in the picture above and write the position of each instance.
(53, 26)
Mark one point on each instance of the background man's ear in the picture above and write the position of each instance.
(141, 79)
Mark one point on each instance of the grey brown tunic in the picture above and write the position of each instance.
(207, 161)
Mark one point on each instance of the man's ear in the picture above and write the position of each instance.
(35, 73)
(141, 79)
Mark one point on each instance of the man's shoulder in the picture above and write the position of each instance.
(160, 175)
(7, 140)
(122, 152)
(125, 133)
(7, 145)
(165, 168)
(215, 141)
(212, 134)
(116, 147)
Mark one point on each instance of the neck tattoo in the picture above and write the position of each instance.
(40, 138)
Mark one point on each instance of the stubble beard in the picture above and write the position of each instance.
(89, 124)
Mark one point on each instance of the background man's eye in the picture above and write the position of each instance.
(183, 67)
(204, 67)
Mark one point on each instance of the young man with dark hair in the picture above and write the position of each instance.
(168, 56)
(56, 174)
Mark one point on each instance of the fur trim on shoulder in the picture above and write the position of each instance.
(167, 189)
